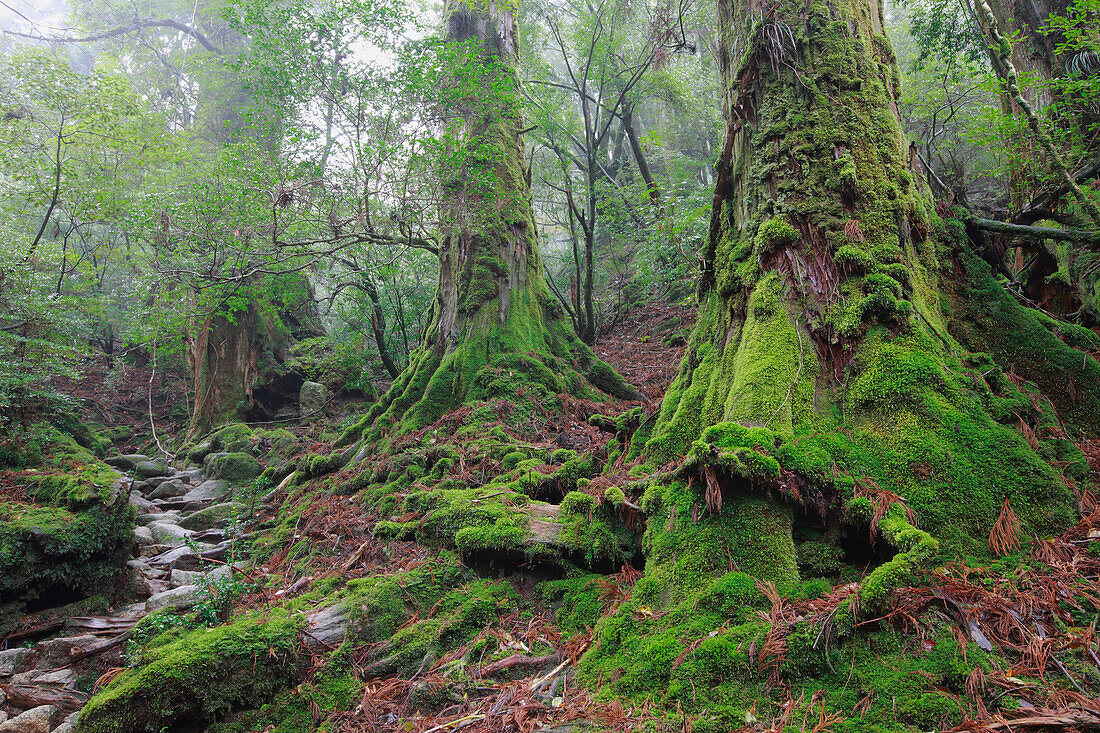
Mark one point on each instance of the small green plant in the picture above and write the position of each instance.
(220, 595)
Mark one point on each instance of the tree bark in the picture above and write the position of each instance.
(233, 355)
(378, 326)
(829, 379)
(627, 118)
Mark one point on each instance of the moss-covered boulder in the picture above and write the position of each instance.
(204, 675)
(211, 516)
(233, 467)
(72, 529)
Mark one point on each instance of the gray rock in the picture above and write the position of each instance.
(220, 573)
(327, 628)
(150, 517)
(197, 453)
(168, 490)
(126, 462)
(199, 577)
(58, 678)
(210, 490)
(211, 516)
(140, 566)
(186, 577)
(69, 724)
(166, 533)
(134, 610)
(312, 399)
(143, 536)
(148, 469)
(193, 475)
(185, 596)
(54, 653)
(139, 502)
(42, 719)
(209, 535)
(3, 717)
(15, 660)
(181, 557)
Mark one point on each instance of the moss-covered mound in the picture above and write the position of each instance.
(194, 679)
(66, 526)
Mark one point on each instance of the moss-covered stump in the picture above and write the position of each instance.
(67, 529)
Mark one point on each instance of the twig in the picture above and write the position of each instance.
(152, 422)
(469, 718)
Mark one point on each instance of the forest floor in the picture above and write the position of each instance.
(514, 669)
(59, 655)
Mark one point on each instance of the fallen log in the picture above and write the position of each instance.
(31, 696)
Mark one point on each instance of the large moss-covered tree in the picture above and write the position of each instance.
(494, 331)
(852, 357)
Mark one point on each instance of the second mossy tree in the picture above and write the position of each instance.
(854, 363)
(494, 331)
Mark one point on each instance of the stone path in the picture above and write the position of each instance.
(181, 546)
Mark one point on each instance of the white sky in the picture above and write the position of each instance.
(33, 16)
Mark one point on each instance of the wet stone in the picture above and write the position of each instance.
(167, 533)
(58, 678)
(148, 469)
(125, 462)
(184, 596)
(42, 719)
(15, 660)
(139, 502)
(168, 490)
(54, 653)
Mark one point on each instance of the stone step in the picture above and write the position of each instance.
(42, 719)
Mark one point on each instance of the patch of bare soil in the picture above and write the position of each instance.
(124, 395)
(646, 349)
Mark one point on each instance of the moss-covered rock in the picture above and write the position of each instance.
(233, 467)
(201, 676)
(74, 532)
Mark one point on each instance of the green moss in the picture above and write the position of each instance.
(234, 467)
(232, 438)
(854, 259)
(76, 534)
(774, 234)
(915, 550)
(603, 377)
(201, 676)
(820, 558)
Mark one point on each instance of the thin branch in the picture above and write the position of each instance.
(1063, 235)
(123, 30)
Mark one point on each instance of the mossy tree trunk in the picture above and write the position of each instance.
(833, 372)
(235, 353)
(492, 309)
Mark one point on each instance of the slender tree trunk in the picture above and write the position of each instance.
(830, 381)
(627, 118)
(378, 326)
